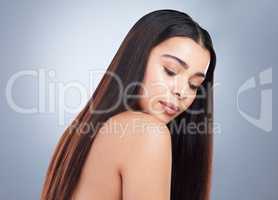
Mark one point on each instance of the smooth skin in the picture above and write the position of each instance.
(173, 75)
(130, 158)
(135, 165)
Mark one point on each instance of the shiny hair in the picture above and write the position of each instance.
(191, 153)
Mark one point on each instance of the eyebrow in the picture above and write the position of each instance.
(183, 64)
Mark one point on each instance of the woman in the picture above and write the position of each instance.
(155, 95)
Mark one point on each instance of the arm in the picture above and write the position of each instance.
(145, 164)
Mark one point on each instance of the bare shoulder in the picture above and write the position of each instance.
(132, 134)
(138, 128)
(143, 148)
(137, 120)
(134, 150)
(134, 129)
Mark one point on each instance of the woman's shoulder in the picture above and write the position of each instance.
(138, 124)
(136, 134)
(137, 117)
(142, 146)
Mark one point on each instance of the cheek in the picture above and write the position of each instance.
(154, 88)
(155, 81)
(190, 98)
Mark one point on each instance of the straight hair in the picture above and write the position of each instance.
(191, 153)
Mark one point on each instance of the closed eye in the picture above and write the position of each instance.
(193, 87)
(169, 72)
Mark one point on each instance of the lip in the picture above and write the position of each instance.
(170, 108)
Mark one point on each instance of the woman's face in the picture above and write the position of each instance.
(175, 69)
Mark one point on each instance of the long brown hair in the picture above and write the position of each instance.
(192, 153)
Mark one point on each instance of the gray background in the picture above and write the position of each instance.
(71, 38)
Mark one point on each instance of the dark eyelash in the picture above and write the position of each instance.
(193, 87)
(169, 72)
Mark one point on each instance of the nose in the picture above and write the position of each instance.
(180, 95)
(178, 88)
